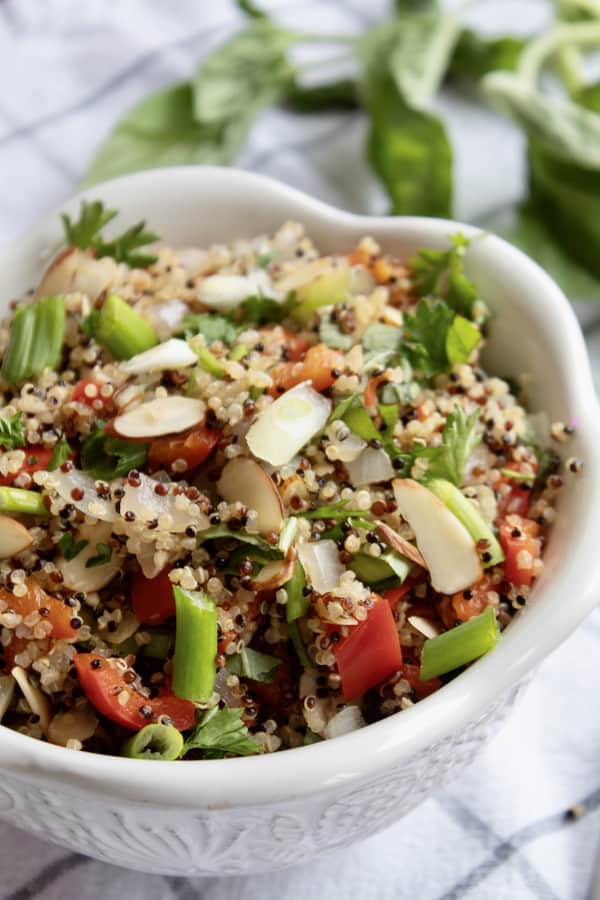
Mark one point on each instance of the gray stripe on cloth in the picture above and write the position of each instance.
(264, 157)
(48, 875)
(45, 152)
(507, 848)
(476, 827)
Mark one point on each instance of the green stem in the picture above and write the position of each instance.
(18, 500)
(195, 645)
(536, 54)
(297, 604)
(468, 515)
(459, 646)
(569, 65)
(122, 330)
(298, 645)
(36, 339)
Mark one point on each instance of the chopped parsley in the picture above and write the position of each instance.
(437, 338)
(106, 457)
(69, 547)
(459, 439)
(103, 555)
(12, 431)
(212, 326)
(253, 665)
(222, 731)
(85, 234)
(440, 274)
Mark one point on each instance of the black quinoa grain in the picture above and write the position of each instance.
(96, 664)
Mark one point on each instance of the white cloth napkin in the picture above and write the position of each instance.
(68, 70)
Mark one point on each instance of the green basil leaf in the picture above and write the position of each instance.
(253, 665)
(589, 97)
(243, 76)
(335, 96)
(162, 131)
(421, 53)
(462, 338)
(475, 56)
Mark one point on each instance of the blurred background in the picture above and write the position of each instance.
(379, 107)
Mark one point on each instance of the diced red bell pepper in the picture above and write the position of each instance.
(152, 598)
(36, 460)
(371, 652)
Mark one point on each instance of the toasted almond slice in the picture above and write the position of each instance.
(78, 577)
(37, 700)
(172, 354)
(7, 690)
(228, 291)
(274, 574)
(400, 544)
(424, 626)
(446, 545)
(77, 270)
(167, 415)
(14, 537)
(246, 481)
(77, 724)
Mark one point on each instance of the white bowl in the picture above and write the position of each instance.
(251, 814)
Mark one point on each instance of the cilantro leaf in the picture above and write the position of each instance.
(441, 274)
(12, 431)
(459, 439)
(92, 219)
(60, 454)
(222, 731)
(213, 327)
(253, 665)
(69, 547)
(104, 554)
(85, 234)
(106, 457)
(261, 310)
(426, 332)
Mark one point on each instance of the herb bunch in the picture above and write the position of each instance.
(401, 65)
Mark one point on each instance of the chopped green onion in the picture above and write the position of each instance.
(327, 289)
(518, 476)
(341, 408)
(298, 645)
(239, 352)
(287, 534)
(18, 500)
(121, 329)
(36, 339)
(360, 422)
(373, 569)
(154, 742)
(297, 603)
(209, 361)
(459, 646)
(195, 645)
(468, 515)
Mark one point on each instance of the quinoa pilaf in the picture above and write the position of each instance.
(252, 496)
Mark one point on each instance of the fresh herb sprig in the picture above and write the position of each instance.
(221, 731)
(84, 233)
(12, 431)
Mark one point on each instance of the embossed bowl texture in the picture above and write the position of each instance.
(245, 815)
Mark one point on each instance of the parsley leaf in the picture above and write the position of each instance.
(459, 439)
(213, 327)
(60, 454)
(462, 338)
(12, 431)
(104, 554)
(85, 234)
(253, 665)
(261, 310)
(106, 457)
(426, 332)
(69, 547)
(441, 274)
(222, 731)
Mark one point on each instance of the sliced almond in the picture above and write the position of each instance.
(424, 626)
(14, 537)
(77, 270)
(400, 544)
(37, 700)
(245, 480)
(78, 724)
(167, 415)
(228, 291)
(274, 575)
(7, 690)
(172, 354)
(446, 545)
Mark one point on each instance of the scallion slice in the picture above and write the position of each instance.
(154, 742)
(121, 329)
(297, 603)
(36, 339)
(209, 362)
(467, 514)
(18, 500)
(459, 646)
(195, 645)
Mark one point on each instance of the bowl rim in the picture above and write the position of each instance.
(355, 757)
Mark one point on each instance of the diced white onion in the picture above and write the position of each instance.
(227, 291)
(146, 504)
(349, 448)
(92, 505)
(164, 315)
(321, 563)
(172, 354)
(288, 424)
(372, 466)
(346, 720)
